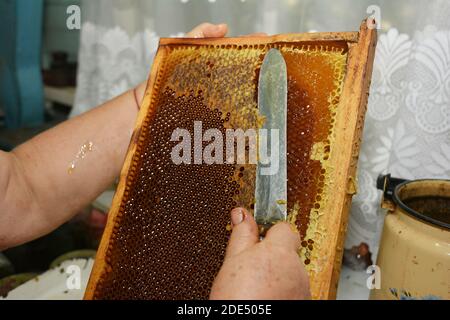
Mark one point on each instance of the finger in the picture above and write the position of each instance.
(208, 30)
(283, 234)
(216, 31)
(245, 232)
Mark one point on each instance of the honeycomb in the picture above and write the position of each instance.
(172, 227)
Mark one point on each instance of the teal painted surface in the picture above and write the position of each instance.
(21, 88)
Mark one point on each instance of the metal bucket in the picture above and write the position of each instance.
(414, 255)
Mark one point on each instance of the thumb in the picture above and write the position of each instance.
(245, 232)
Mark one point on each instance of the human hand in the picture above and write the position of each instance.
(261, 270)
(208, 30)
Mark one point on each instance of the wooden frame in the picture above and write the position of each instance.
(349, 125)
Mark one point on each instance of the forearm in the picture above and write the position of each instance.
(16, 201)
(56, 174)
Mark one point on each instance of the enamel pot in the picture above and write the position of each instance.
(414, 255)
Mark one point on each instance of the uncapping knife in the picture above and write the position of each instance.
(271, 178)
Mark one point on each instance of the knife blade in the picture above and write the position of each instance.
(271, 184)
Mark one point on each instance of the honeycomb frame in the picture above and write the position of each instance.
(338, 156)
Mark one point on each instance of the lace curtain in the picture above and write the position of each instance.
(407, 130)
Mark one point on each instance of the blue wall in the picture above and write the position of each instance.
(21, 90)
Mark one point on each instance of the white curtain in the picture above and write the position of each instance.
(407, 130)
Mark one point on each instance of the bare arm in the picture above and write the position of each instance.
(47, 180)
(42, 192)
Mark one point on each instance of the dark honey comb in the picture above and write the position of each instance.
(169, 234)
(167, 212)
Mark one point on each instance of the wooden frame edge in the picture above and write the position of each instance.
(351, 37)
(350, 123)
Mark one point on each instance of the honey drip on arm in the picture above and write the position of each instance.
(82, 153)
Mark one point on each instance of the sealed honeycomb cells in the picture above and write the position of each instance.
(171, 231)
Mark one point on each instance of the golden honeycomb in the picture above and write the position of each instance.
(171, 231)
